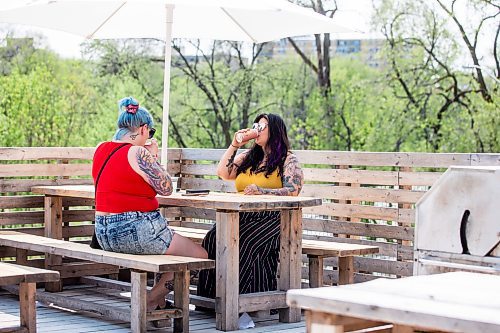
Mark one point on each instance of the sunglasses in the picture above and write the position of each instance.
(259, 126)
(152, 131)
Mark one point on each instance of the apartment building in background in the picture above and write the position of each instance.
(366, 50)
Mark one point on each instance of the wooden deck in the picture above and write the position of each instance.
(52, 319)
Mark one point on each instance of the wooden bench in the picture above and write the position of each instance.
(315, 251)
(26, 278)
(139, 265)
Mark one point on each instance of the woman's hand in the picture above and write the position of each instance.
(152, 147)
(252, 189)
(235, 142)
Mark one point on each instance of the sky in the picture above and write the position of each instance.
(353, 14)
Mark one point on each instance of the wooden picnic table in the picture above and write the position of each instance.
(227, 206)
(447, 302)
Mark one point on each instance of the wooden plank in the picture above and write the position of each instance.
(25, 185)
(290, 259)
(27, 310)
(14, 330)
(418, 178)
(16, 274)
(222, 201)
(227, 270)
(436, 302)
(262, 301)
(37, 217)
(77, 269)
(365, 194)
(138, 302)
(60, 170)
(181, 300)
(18, 201)
(441, 160)
(23, 170)
(323, 248)
(53, 229)
(485, 159)
(315, 271)
(64, 153)
(67, 231)
(37, 201)
(371, 177)
(210, 184)
(346, 270)
(350, 210)
(199, 169)
(45, 153)
(150, 263)
(201, 154)
(359, 228)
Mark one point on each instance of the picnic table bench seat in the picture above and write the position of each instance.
(315, 250)
(139, 265)
(26, 278)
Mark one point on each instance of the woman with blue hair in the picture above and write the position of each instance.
(127, 178)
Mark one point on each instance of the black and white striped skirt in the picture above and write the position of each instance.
(259, 254)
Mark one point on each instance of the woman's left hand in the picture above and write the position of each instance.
(252, 190)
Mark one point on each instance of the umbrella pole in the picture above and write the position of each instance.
(166, 83)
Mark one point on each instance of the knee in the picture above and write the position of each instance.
(203, 253)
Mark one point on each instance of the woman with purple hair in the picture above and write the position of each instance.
(267, 168)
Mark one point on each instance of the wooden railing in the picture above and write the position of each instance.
(368, 198)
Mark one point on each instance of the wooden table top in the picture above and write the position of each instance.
(14, 274)
(214, 200)
(454, 302)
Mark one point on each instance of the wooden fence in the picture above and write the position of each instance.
(368, 198)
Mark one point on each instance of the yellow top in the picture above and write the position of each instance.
(259, 179)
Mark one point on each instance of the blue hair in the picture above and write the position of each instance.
(129, 122)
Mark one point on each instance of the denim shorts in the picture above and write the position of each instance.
(133, 232)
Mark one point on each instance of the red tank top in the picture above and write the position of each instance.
(120, 188)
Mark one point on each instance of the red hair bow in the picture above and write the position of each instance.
(132, 108)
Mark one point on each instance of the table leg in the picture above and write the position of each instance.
(138, 280)
(227, 270)
(27, 308)
(290, 259)
(53, 229)
(315, 271)
(346, 270)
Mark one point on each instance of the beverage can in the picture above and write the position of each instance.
(246, 136)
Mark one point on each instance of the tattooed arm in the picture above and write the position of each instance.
(229, 163)
(148, 167)
(293, 179)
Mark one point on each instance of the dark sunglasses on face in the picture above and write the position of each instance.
(259, 126)
(152, 131)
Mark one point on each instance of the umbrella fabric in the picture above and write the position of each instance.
(253, 21)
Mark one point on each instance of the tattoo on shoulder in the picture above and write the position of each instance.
(293, 175)
(157, 177)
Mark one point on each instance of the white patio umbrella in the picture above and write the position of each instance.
(253, 21)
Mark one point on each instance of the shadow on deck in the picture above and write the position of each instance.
(53, 319)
